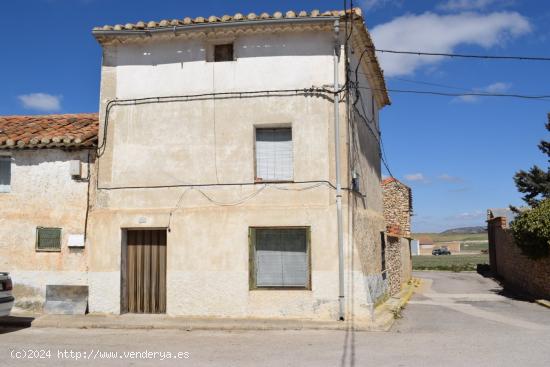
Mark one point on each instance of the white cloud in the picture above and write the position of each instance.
(416, 177)
(453, 5)
(449, 178)
(370, 4)
(494, 88)
(473, 215)
(40, 101)
(442, 34)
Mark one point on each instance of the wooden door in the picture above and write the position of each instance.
(146, 271)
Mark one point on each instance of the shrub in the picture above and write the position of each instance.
(531, 230)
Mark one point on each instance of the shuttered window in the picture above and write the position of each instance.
(48, 239)
(274, 157)
(280, 257)
(5, 174)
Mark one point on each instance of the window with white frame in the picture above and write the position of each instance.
(5, 173)
(274, 156)
(279, 258)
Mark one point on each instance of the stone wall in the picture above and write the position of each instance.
(393, 264)
(397, 207)
(517, 270)
(397, 214)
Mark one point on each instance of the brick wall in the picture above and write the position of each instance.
(515, 269)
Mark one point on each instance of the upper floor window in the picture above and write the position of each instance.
(5, 173)
(223, 52)
(274, 157)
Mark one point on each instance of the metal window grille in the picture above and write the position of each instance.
(5, 174)
(48, 239)
(281, 257)
(274, 156)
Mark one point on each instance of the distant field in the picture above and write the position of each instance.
(439, 237)
(449, 263)
(474, 246)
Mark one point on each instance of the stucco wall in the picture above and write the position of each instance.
(366, 203)
(42, 194)
(210, 144)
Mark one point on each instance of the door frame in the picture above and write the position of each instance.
(124, 306)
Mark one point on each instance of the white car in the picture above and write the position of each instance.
(6, 298)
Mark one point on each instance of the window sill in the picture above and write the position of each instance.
(260, 181)
(308, 289)
(46, 250)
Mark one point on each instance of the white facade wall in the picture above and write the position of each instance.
(211, 141)
(42, 194)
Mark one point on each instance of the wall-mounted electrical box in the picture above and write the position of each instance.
(76, 169)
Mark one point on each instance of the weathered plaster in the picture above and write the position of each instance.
(42, 194)
(211, 142)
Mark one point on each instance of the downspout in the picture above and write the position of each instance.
(341, 304)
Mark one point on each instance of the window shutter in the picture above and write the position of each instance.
(5, 174)
(274, 156)
(269, 260)
(295, 264)
(281, 258)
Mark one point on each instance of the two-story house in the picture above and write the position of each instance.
(238, 169)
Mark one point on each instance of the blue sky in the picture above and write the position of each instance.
(458, 155)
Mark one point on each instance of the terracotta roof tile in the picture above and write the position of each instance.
(238, 17)
(49, 131)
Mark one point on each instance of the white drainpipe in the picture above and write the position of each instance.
(341, 299)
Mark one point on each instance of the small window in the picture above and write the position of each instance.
(274, 157)
(383, 253)
(48, 239)
(5, 174)
(279, 258)
(223, 52)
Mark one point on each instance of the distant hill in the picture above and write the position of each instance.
(466, 230)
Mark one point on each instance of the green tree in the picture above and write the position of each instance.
(535, 183)
(531, 227)
(531, 230)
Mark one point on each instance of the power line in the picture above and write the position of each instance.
(430, 84)
(464, 56)
(472, 94)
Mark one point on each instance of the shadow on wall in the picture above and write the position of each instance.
(47, 156)
(176, 51)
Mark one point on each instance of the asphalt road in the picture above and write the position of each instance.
(456, 319)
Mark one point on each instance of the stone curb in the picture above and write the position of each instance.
(543, 302)
(94, 322)
(383, 320)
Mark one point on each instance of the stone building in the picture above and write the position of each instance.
(397, 212)
(45, 163)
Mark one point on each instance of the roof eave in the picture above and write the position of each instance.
(200, 26)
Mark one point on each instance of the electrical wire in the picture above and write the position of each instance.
(473, 94)
(465, 56)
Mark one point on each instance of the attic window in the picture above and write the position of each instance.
(223, 52)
